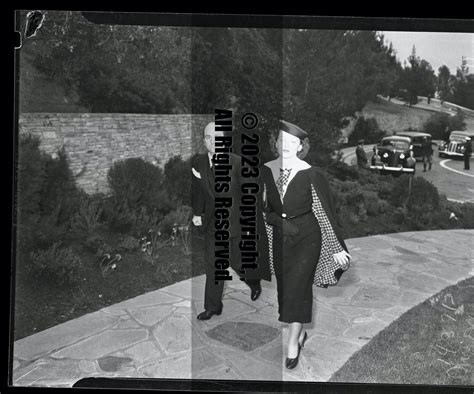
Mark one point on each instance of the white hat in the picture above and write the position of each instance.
(468, 138)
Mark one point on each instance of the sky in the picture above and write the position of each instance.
(436, 48)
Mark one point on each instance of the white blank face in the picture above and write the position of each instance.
(210, 137)
(287, 145)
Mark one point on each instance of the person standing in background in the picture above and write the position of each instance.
(361, 155)
(467, 153)
(427, 152)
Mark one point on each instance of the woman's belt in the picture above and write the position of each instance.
(285, 216)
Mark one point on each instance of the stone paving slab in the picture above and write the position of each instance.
(102, 344)
(152, 298)
(187, 289)
(175, 335)
(157, 335)
(142, 352)
(150, 315)
(64, 334)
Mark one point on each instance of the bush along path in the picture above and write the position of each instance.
(157, 335)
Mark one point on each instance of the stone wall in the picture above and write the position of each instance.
(93, 142)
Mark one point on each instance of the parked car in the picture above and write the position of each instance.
(395, 154)
(416, 141)
(456, 145)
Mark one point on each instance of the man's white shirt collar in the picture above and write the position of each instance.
(209, 155)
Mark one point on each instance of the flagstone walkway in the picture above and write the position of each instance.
(157, 335)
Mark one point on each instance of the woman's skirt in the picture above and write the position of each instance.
(295, 259)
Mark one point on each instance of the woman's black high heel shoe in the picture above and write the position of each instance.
(304, 339)
(293, 362)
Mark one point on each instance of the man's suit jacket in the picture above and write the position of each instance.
(203, 204)
(203, 189)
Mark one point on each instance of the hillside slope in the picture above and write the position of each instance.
(38, 93)
(393, 117)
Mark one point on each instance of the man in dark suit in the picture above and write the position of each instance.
(361, 156)
(427, 152)
(467, 153)
(203, 204)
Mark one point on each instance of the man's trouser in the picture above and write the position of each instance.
(213, 290)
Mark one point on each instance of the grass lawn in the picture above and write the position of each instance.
(40, 304)
(433, 343)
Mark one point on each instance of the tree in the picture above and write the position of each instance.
(417, 79)
(463, 89)
(440, 124)
(412, 82)
(330, 74)
(427, 80)
(366, 129)
(114, 68)
(313, 78)
(444, 84)
(396, 68)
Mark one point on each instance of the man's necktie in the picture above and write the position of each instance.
(282, 180)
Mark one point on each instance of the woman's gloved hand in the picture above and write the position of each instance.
(286, 227)
(343, 259)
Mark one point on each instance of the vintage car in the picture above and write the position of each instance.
(416, 142)
(456, 145)
(394, 154)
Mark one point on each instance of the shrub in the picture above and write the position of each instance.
(97, 245)
(423, 198)
(467, 215)
(178, 180)
(437, 124)
(129, 244)
(152, 243)
(86, 219)
(39, 232)
(46, 185)
(30, 177)
(136, 183)
(60, 196)
(123, 219)
(145, 221)
(384, 207)
(93, 242)
(352, 200)
(399, 215)
(384, 190)
(33, 233)
(119, 217)
(342, 171)
(372, 203)
(366, 129)
(348, 217)
(178, 217)
(61, 265)
(463, 215)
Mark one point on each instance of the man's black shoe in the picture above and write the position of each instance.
(255, 291)
(206, 315)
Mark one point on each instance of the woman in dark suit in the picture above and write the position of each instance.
(306, 247)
